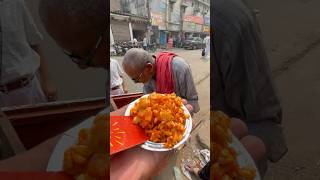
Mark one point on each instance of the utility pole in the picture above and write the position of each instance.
(182, 8)
(148, 11)
(149, 21)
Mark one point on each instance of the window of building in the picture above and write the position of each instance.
(183, 10)
(125, 6)
(170, 7)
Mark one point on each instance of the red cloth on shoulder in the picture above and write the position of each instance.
(164, 77)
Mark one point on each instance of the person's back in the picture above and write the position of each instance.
(116, 80)
(183, 80)
(242, 81)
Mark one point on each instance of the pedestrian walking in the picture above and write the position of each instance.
(145, 43)
(206, 42)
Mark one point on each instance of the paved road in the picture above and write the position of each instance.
(291, 28)
(300, 92)
(291, 32)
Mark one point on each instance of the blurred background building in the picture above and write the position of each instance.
(159, 20)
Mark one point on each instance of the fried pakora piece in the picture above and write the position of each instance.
(87, 160)
(224, 165)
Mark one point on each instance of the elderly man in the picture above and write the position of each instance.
(21, 58)
(242, 84)
(164, 73)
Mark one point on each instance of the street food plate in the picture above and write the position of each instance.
(68, 139)
(151, 146)
(244, 159)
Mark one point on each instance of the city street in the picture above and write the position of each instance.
(291, 31)
(199, 66)
(201, 74)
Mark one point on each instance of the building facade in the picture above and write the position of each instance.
(179, 19)
(128, 20)
(196, 19)
(159, 20)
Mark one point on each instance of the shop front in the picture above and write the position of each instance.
(193, 26)
(159, 33)
(120, 30)
(139, 30)
(163, 39)
(174, 33)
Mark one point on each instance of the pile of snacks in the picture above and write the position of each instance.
(162, 117)
(225, 165)
(88, 158)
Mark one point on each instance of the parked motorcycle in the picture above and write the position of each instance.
(119, 51)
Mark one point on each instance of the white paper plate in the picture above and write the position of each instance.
(151, 146)
(68, 139)
(244, 159)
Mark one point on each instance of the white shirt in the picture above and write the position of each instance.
(135, 41)
(18, 33)
(115, 72)
(144, 41)
(207, 41)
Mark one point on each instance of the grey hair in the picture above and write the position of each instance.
(88, 14)
(137, 58)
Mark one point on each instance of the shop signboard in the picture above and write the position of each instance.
(194, 19)
(207, 20)
(189, 26)
(206, 29)
(158, 19)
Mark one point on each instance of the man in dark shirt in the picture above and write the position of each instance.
(242, 84)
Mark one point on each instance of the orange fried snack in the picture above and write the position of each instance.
(224, 165)
(88, 158)
(162, 117)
